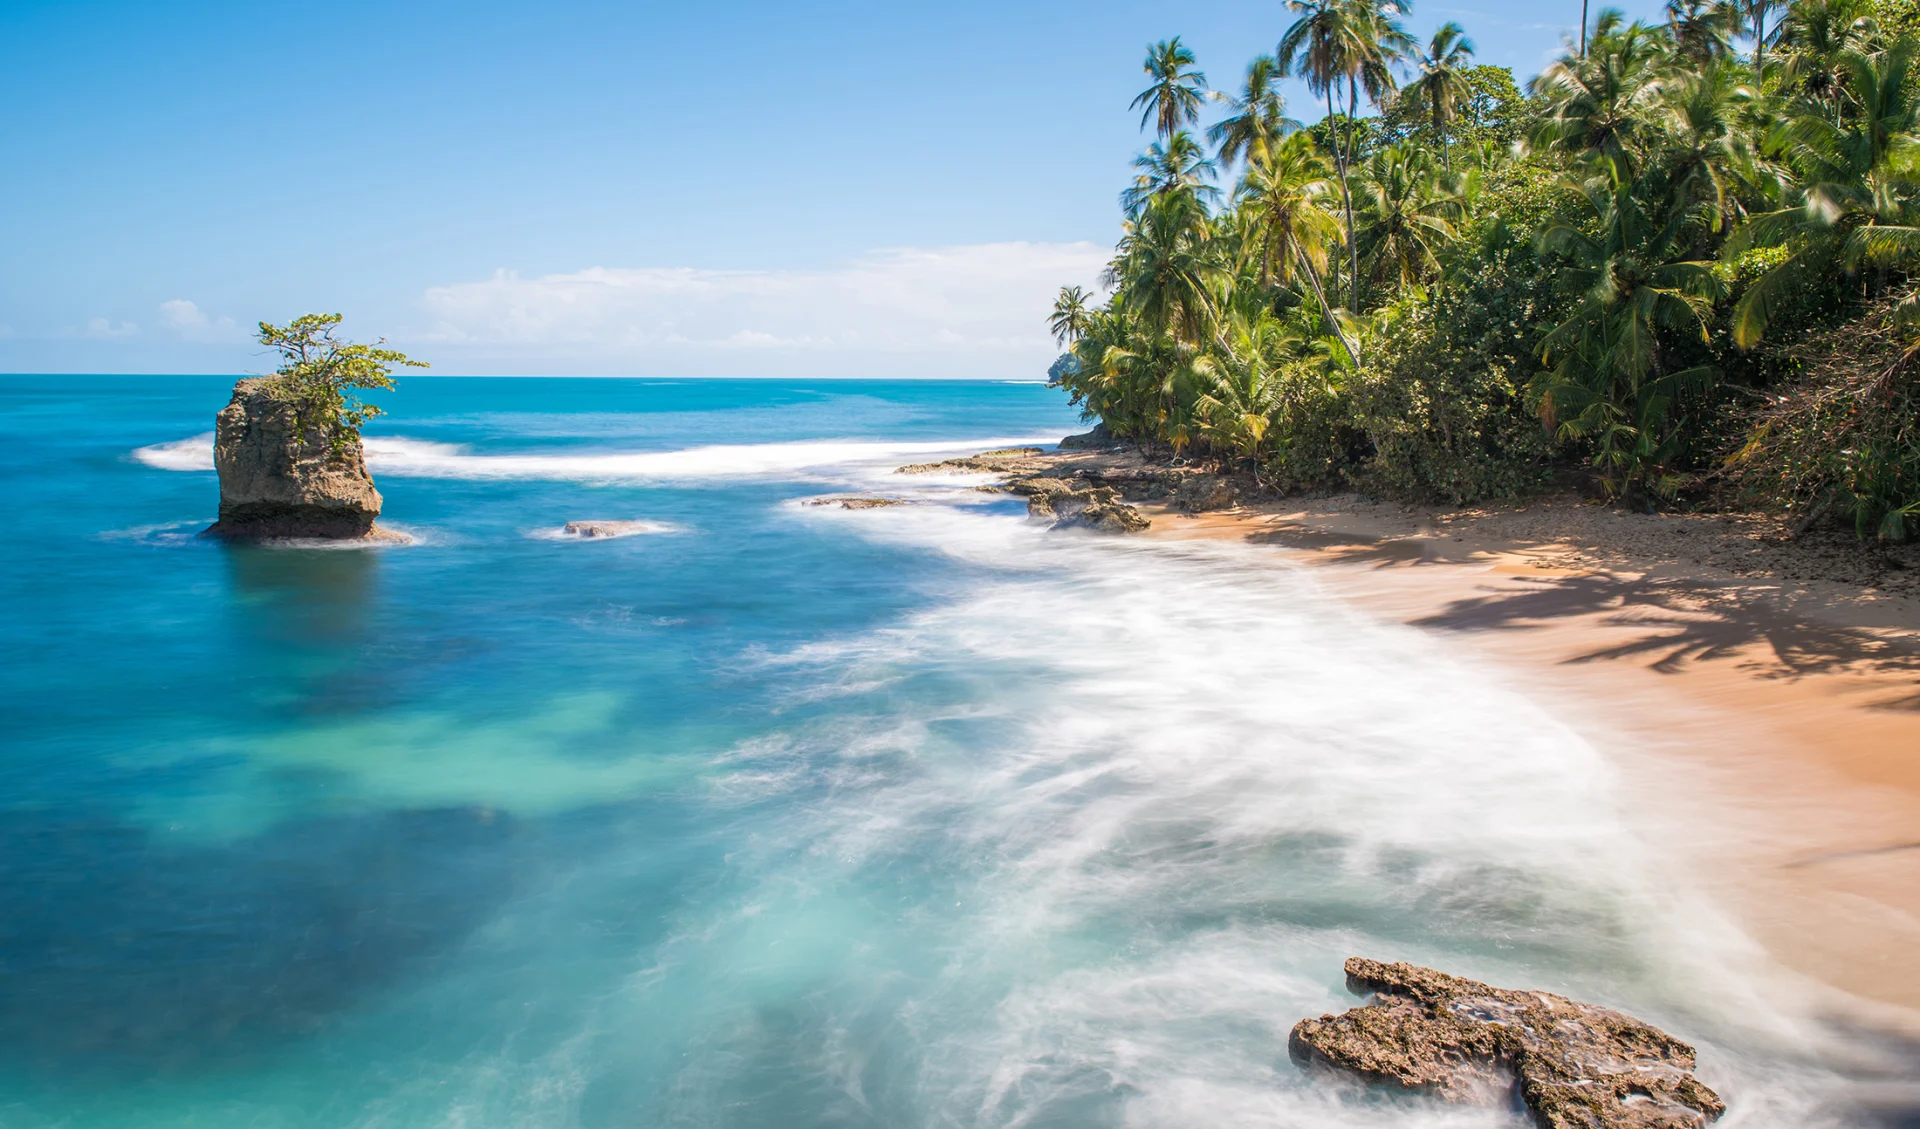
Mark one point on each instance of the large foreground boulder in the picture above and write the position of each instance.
(278, 480)
(1577, 1066)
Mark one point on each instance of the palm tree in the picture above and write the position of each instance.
(1173, 100)
(1758, 10)
(1604, 100)
(1179, 166)
(1442, 82)
(1166, 265)
(1858, 197)
(1284, 223)
(1345, 41)
(1814, 38)
(1407, 212)
(1702, 30)
(1610, 379)
(1705, 149)
(1237, 390)
(1258, 119)
(1071, 315)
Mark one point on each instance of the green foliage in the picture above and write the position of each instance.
(1477, 288)
(321, 374)
(1845, 437)
(1488, 109)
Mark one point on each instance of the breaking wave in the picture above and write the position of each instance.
(420, 458)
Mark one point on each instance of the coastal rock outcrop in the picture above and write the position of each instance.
(1577, 1066)
(1075, 505)
(1199, 492)
(1088, 499)
(1096, 439)
(277, 481)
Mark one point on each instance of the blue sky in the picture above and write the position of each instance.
(590, 188)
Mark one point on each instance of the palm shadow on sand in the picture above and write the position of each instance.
(1679, 622)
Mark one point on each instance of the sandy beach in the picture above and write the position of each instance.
(1770, 726)
(1761, 695)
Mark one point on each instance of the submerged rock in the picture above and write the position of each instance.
(1577, 1066)
(861, 502)
(278, 482)
(608, 528)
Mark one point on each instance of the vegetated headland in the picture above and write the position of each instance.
(1628, 357)
(1680, 265)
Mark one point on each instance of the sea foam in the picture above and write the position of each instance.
(419, 458)
(1151, 796)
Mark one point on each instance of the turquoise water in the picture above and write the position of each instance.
(773, 815)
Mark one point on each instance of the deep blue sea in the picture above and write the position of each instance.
(772, 815)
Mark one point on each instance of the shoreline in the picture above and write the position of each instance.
(1762, 702)
(1799, 733)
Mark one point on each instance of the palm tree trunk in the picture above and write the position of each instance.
(1339, 163)
(1583, 29)
(1325, 310)
(1353, 241)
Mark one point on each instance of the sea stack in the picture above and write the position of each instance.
(278, 480)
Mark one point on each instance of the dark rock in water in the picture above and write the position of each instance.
(277, 482)
(1089, 440)
(1075, 505)
(1577, 1066)
(607, 528)
(1004, 461)
(862, 502)
(1107, 517)
(1044, 487)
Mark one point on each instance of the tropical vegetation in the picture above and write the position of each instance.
(1680, 266)
(322, 375)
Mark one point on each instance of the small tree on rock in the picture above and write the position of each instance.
(319, 374)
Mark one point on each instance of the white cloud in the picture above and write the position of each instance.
(182, 314)
(984, 303)
(105, 330)
(191, 322)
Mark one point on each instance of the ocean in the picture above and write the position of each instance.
(771, 815)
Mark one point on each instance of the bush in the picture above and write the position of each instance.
(1844, 440)
(320, 374)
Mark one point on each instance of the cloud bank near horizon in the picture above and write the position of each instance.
(969, 310)
(955, 310)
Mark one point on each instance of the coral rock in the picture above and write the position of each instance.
(1577, 1066)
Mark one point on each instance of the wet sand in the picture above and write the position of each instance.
(1768, 720)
